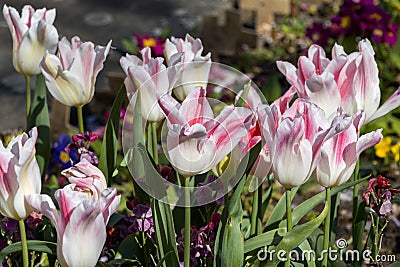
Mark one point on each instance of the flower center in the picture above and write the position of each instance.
(150, 42)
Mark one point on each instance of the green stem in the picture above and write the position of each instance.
(80, 119)
(28, 95)
(187, 223)
(355, 199)
(25, 255)
(327, 229)
(154, 138)
(256, 214)
(376, 239)
(289, 222)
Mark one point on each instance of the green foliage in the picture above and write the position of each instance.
(109, 150)
(39, 117)
(39, 246)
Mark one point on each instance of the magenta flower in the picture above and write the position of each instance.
(156, 44)
(81, 144)
(379, 194)
(80, 218)
(196, 141)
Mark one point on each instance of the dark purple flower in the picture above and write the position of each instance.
(3, 244)
(201, 241)
(362, 18)
(143, 219)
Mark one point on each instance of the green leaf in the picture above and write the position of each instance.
(109, 148)
(395, 264)
(264, 239)
(229, 231)
(311, 203)
(39, 246)
(267, 238)
(297, 235)
(165, 233)
(39, 117)
(359, 226)
(305, 246)
(114, 219)
(144, 167)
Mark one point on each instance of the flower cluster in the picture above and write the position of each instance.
(81, 144)
(363, 19)
(201, 242)
(379, 194)
(139, 220)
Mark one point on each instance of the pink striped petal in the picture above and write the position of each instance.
(45, 205)
(368, 140)
(390, 104)
(195, 108)
(323, 91)
(318, 57)
(170, 107)
(228, 132)
(86, 223)
(290, 72)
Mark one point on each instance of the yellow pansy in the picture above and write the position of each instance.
(395, 149)
(382, 149)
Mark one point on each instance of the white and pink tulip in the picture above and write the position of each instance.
(19, 175)
(340, 153)
(152, 77)
(196, 141)
(71, 75)
(33, 34)
(87, 178)
(195, 68)
(81, 218)
(295, 138)
(347, 81)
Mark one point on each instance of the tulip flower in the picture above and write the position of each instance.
(152, 76)
(347, 81)
(81, 223)
(340, 153)
(196, 141)
(71, 75)
(295, 138)
(195, 67)
(262, 165)
(19, 175)
(87, 177)
(33, 34)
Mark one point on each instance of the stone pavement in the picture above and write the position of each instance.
(97, 21)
